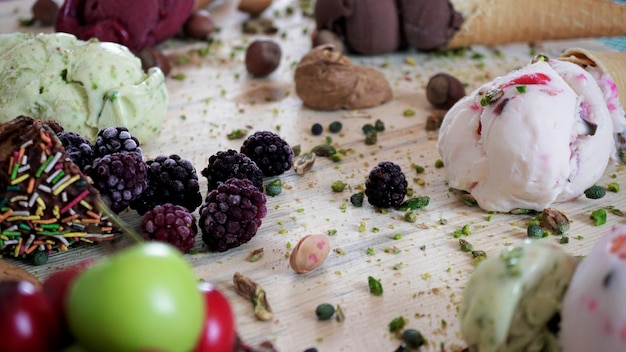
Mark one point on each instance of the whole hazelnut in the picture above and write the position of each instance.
(444, 90)
(324, 36)
(45, 12)
(262, 57)
(151, 57)
(253, 7)
(199, 25)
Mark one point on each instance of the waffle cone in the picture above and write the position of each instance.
(495, 22)
(612, 63)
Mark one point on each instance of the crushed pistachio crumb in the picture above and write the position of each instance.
(375, 286)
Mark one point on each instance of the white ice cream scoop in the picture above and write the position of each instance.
(594, 308)
(538, 135)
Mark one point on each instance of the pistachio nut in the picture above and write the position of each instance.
(309, 253)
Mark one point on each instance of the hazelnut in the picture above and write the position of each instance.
(262, 57)
(253, 7)
(151, 57)
(45, 12)
(199, 25)
(309, 253)
(324, 36)
(444, 90)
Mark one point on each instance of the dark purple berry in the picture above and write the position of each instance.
(232, 214)
(270, 152)
(386, 185)
(120, 178)
(115, 139)
(231, 164)
(171, 179)
(172, 224)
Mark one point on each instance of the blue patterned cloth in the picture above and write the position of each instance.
(618, 43)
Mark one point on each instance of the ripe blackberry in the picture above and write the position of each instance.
(172, 224)
(386, 185)
(171, 179)
(231, 164)
(78, 148)
(120, 178)
(231, 214)
(270, 152)
(115, 139)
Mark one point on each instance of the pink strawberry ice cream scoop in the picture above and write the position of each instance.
(593, 317)
(538, 135)
(135, 24)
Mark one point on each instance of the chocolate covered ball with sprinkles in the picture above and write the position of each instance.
(47, 205)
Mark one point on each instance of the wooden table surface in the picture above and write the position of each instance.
(424, 279)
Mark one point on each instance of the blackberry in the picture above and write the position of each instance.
(120, 178)
(78, 148)
(115, 139)
(172, 224)
(386, 185)
(171, 179)
(231, 214)
(231, 164)
(270, 152)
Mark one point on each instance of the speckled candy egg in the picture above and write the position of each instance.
(594, 307)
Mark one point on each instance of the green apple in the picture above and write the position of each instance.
(143, 298)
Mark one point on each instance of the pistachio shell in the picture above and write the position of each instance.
(309, 253)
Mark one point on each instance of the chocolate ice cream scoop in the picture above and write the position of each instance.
(429, 24)
(135, 24)
(381, 26)
(369, 27)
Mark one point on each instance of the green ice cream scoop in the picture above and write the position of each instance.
(83, 85)
(512, 300)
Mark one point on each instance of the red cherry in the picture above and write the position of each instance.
(56, 286)
(27, 319)
(218, 333)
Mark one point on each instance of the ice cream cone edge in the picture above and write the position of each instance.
(612, 63)
(495, 22)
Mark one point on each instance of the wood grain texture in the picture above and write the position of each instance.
(424, 280)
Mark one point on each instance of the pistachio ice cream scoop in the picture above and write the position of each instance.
(83, 85)
(512, 300)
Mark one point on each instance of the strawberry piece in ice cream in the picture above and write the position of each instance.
(135, 24)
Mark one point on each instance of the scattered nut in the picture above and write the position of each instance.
(253, 7)
(555, 221)
(258, 25)
(151, 57)
(199, 25)
(262, 57)
(444, 90)
(434, 120)
(309, 253)
(305, 163)
(324, 36)
(327, 80)
(45, 12)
